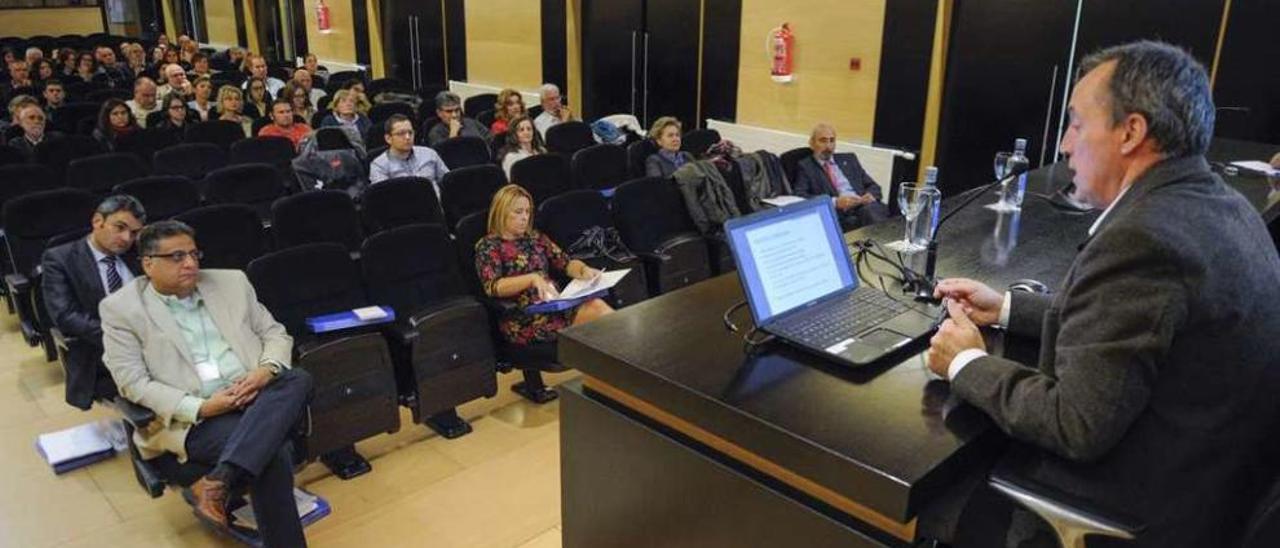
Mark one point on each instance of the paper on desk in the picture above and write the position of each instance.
(581, 288)
(779, 201)
(1261, 167)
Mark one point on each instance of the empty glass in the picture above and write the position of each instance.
(919, 206)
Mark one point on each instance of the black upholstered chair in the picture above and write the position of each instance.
(380, 112)
(637, 153)
(276, 151)
(355, 387)
(102, 172)
(469, 189)
(543, 175)
(400, 201)
(229, 235)
(569, 137)
(599, 167)
(57, 153)
(791, 160)
(697, 141)
(67, 117)
(255, 185)
(652, 220)
(315, 217)
(442, 350)
(11, 156)
(532, 359)
(163, 196)
(568, 218)
(460, 152)
(218, 132)
(144, 144)
(190, 160)
(480, 102)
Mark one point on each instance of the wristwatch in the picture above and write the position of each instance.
(274, 367)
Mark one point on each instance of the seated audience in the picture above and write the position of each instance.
(283, 125)
(345, 113)
(554, 110)
(523, 141)
(33, 54)
(235, 56)
(115, 74)
(66, 62)
(302, 79)
(28, 115)
(312, 64)
(19, 77)
(77, 275)
(516, 264)
(54, 94)
(510, 105)
(854, 193)
(362, 101)
(402, 158)
(200, 66)
(258, 99)
(115, 120)
(452, 123)
(201, 102)
(666, 132)
(256, 66)
(144, 100)
(41, 70)
(175, 113)
(175, 81)
(86, 67)
(198, 349)
(300, 99)
(230, 102)
(136, 60)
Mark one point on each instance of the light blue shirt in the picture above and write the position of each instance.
(126, 275)
(206, 345)
(420, 162)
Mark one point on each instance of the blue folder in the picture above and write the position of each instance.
(345, 320)
(558, 306)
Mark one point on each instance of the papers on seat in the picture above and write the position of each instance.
(79, 446)
(779, 201)
(310, 509)
(578, 292)
(1260, 167)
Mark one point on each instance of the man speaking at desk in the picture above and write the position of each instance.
(1159, 367)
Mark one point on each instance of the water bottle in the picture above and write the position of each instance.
(1018, 163)
(929, 203)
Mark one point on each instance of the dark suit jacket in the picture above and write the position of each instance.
(811, 180)
(1155, 392)
(72, 290)
(657, 165)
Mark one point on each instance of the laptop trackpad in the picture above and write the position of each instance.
(871, 346)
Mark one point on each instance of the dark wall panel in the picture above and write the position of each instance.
(360, 25)
(455, 21)
(722, 32)
(905, 54)
(555, 49)
(671, 61)
(398, 18)
(1192, 24)
(608, 30)
(1247, 90)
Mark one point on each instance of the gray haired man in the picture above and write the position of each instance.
(452, 123)
(1155, 390)
(554, 111)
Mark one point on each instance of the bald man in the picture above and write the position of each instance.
(854, 193)
(144, 100)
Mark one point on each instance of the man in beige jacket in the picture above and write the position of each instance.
(199, 350)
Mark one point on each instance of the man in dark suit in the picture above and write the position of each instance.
(76, 276)
(1155, 391)
(856, 194)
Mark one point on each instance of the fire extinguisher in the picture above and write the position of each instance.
(322, 16)
(781, 46)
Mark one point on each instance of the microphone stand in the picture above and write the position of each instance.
(923, 287)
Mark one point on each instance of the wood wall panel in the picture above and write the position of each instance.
(338, 45)
(220, 18)
(504, 43)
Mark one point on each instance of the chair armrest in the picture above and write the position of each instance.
(17, 283)
(60, 340)
(420, 316)
(1071, 518)
(137, 416)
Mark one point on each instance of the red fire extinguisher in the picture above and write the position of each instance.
(322, 16)
(781, 46)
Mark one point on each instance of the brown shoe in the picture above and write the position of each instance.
(211, 500)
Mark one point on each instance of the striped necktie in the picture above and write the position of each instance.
(113, 275)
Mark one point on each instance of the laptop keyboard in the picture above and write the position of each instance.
(838, 320)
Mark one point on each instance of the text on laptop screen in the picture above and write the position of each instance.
(789, 259)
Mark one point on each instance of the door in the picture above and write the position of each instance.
(413, 42)
(270, 29)
(612, 37)
(669, 56)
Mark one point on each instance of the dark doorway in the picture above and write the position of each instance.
(413, 42)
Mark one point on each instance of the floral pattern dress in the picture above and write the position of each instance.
(497, 258)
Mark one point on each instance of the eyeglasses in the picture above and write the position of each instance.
(179, 257)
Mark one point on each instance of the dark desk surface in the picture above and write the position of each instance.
(875, 436)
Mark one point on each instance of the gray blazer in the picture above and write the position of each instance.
(1155, 393)
(656, 165)
(151, 363)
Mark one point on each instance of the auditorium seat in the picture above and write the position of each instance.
(102, 172)
(355, 386)
(230, 235)
(599, 167)
(163, 196)
(474, 105)
(791, 160)
(460, 152)
(469, 189)
(567, 218)
(11, 156)
(697, 141)
(217, 132)
(67, 117)
(399, 201)
(190, 160)
(316, 217)
(543, 175)
(652, 220)
(569, 137)
(255, 185)
(380, 112)
(637, 153)
(144, 144)
(443, 354)
(57, 153)
(276, 151)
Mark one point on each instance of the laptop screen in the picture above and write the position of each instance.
(790, 256)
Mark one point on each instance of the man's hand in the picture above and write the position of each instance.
(222, 401)
(247, 387)
(847, 201)
(1275, 161)
(980, 303)
(455, 127)
(867, 198)
(956, 335)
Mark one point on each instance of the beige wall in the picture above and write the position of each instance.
(52, 21)
(220, 16)
(828, 33)
(504, 43)
(339, 44)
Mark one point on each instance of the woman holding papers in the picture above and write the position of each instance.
(514, 263)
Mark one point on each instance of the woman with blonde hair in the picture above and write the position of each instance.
(345, 111)
(230, 106)
(510, 106)
(666, 134)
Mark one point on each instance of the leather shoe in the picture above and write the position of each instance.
(211, 500)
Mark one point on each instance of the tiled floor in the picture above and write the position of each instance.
(497, 487)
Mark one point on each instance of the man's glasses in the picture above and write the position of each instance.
(179, 257)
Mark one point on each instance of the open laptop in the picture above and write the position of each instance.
(801, 286)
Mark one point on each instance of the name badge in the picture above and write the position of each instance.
(208, 371)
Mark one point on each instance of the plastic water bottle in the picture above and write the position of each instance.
(1018, 163)
(930, 203)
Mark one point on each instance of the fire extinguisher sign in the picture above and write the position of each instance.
(322, 17)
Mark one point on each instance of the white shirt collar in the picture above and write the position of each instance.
(1098, 222)
(98, 255)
